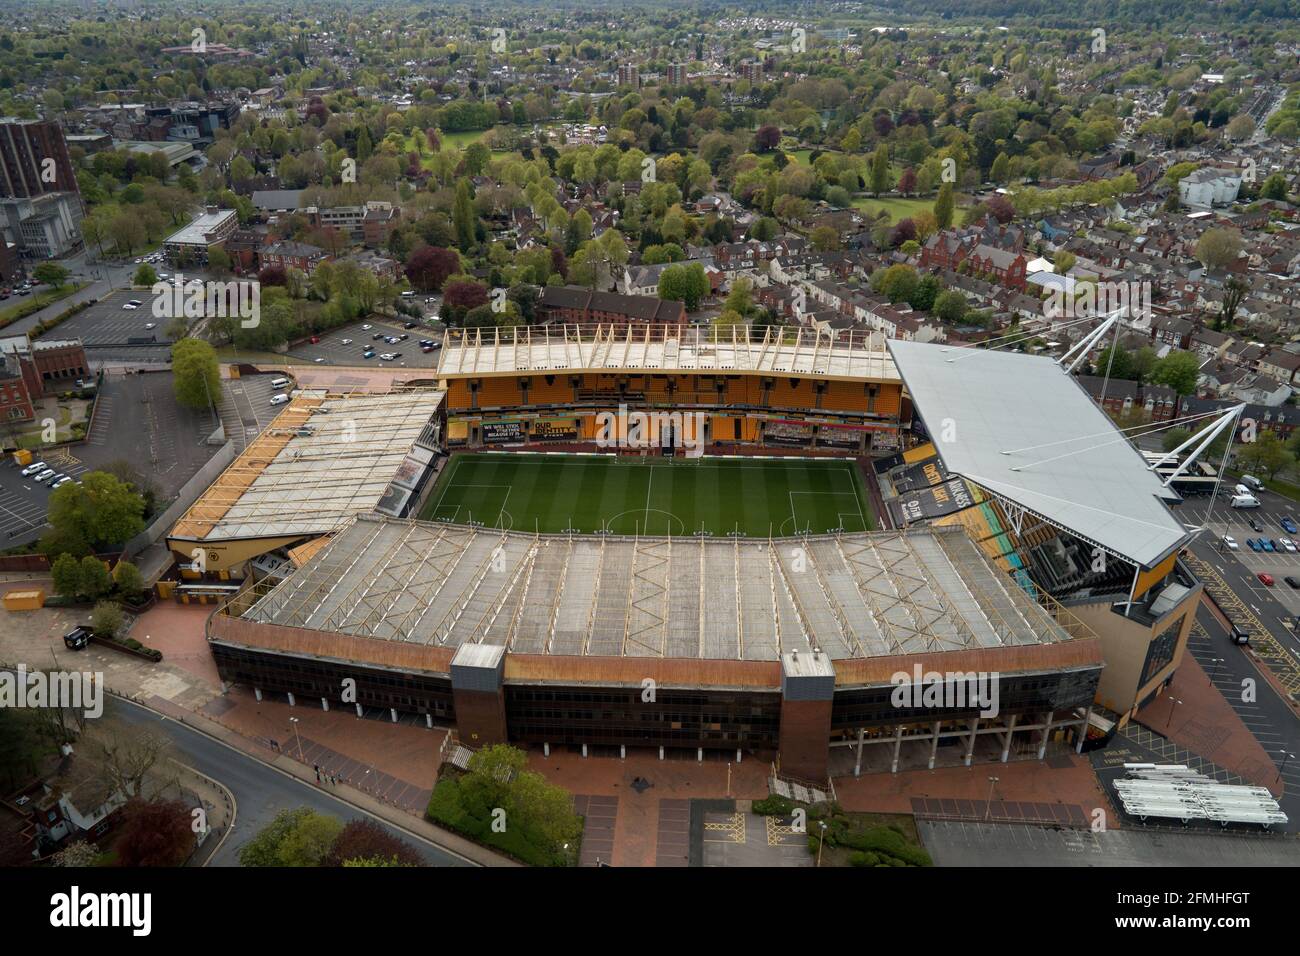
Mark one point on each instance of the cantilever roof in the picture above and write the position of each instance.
(320, 462)
(682, 348)
(1068, 462)
(433, 584)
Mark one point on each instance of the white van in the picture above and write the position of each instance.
(1242, 490)
(279, 383)
(1253, 483)
(1245, 501)
(284, 399)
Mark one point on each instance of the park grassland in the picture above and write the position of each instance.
(588, 494)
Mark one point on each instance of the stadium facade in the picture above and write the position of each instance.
(822, 652)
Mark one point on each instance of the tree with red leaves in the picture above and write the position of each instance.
(317, 112)
(461, 295)
(1000, 208)
(907, 181)
(559, 262)
(883, 124)
(903, 231)
(433, 139)
(767, 138)
(367, 840)
(428, 267)
(155, 833)
(272, 275)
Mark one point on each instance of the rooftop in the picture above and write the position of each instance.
(1024, 429)
(198, 231)
(436, 584)
(684, 348)
(320, 462)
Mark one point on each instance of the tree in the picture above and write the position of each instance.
(101, 510)
(94, 579)
(1234, 290)
(880, 169)
(1274, 188)
(145, 275)
(1178, 370)
(1116, 362)
(1240, 127)
(825, 238)
(459, 296)
(298, 837)
(943, 206)
(767, 138)
(155, 833)
(66, 575)
(107, 618)
(51, 273)
(1266, 455)
(897, 283)
(464, 217)
(365, 840)
(1218, 247)
(999, 171)
(684, 283)
(1173, 438)
(907, 181)
(196, 377)
(427, 267)
(950, 306)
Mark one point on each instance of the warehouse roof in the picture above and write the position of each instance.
(678, 348)
(1024, 429)
(436, 584)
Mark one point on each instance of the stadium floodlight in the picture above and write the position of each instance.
(1085, 344)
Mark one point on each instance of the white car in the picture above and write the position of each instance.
(366, 328)
(387, 357)
(63, 480)
(46, 475)
(1288, 544)
(150, 326)
(1230, 543)
(130, 306)
(319, 360)
(35, 468)
(345, 341)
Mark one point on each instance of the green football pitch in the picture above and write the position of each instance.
(590, 494)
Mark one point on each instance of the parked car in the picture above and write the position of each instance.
(411, 325)
(1265, 579)
(1268, 544)
(367, 327)
(35, 468)
(1289, 525)
(78, 638)
(368, 353)
(46, 475)
(377, 336)
(1254, 525)
(345, 341)
(1292, 581)
(1288, 544)
(315, 340)
(60, 481)
(387, 357)
(1230, 543)
(280, 399)
(1254, 545)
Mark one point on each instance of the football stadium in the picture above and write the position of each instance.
(761, 544)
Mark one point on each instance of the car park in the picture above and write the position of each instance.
(1230, 543)
(35, 468)
(1265, 579)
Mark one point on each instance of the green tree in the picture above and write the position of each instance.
(1266, 455)
(51, 273)
(1178, 370)
(463, 217)
(1173, 438)
(950, 306)
(66, 574)
(101, 510)
(128, 578)
(943, 206)
(1274, 188)
(107, 618)
(196, 377)
(95, 582)
(897, 283)
(1218, 247)
(880, 169)
(298, 837)
(144, 275)
(999, 171)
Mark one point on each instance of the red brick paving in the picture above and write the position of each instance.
(1206, 724)
(177, 631)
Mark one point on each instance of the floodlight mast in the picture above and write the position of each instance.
(1202, 442)
(1085, 344)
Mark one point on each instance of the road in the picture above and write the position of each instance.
(260, 790)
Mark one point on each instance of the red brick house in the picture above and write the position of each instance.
(583, 306)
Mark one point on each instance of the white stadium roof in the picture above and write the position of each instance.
(1021, 427)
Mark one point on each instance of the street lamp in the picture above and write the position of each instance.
(1216, 661)
(1173, 702)
(294, 721)
(1285, 757)
(822, 842)
(988, 804)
